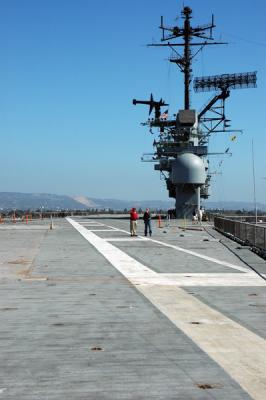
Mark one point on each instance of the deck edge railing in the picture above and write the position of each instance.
(245, 233)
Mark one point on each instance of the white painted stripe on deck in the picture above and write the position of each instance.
(127, 265)
(193, 253)
(101, 230)
(127, 239)
(201, 279)
(240, 352)
(91, 223)
(207, 258)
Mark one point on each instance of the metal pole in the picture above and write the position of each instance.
(187, 59)
(198, 203)
(254, 185)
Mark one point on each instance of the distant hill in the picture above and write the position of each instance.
(115, 204)
(85, 201)
(33, 201)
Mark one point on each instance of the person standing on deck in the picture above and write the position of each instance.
(133, 222)
(194, 217)
(200, 213)
(147, 222)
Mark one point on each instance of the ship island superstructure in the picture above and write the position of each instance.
(181, 147)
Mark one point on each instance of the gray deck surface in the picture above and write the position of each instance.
(75, 328)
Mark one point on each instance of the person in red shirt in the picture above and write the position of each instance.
(133, 221)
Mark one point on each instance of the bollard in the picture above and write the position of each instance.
(51, 222)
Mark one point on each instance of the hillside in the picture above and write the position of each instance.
(47, 201)
(32, 201)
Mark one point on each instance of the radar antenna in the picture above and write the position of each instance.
(221, 84)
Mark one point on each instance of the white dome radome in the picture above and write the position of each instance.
(188, 168)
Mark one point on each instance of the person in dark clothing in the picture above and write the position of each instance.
(147, 222)
(133, 222)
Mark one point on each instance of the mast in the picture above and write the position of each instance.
(187, 33)
(187, 57)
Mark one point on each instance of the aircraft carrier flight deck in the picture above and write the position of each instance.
(88, 312)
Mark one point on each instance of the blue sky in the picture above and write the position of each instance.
(69, 70)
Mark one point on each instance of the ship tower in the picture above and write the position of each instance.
(181, 146)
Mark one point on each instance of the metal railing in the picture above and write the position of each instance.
(250, 234)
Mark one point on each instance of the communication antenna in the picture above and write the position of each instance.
(187, 33)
